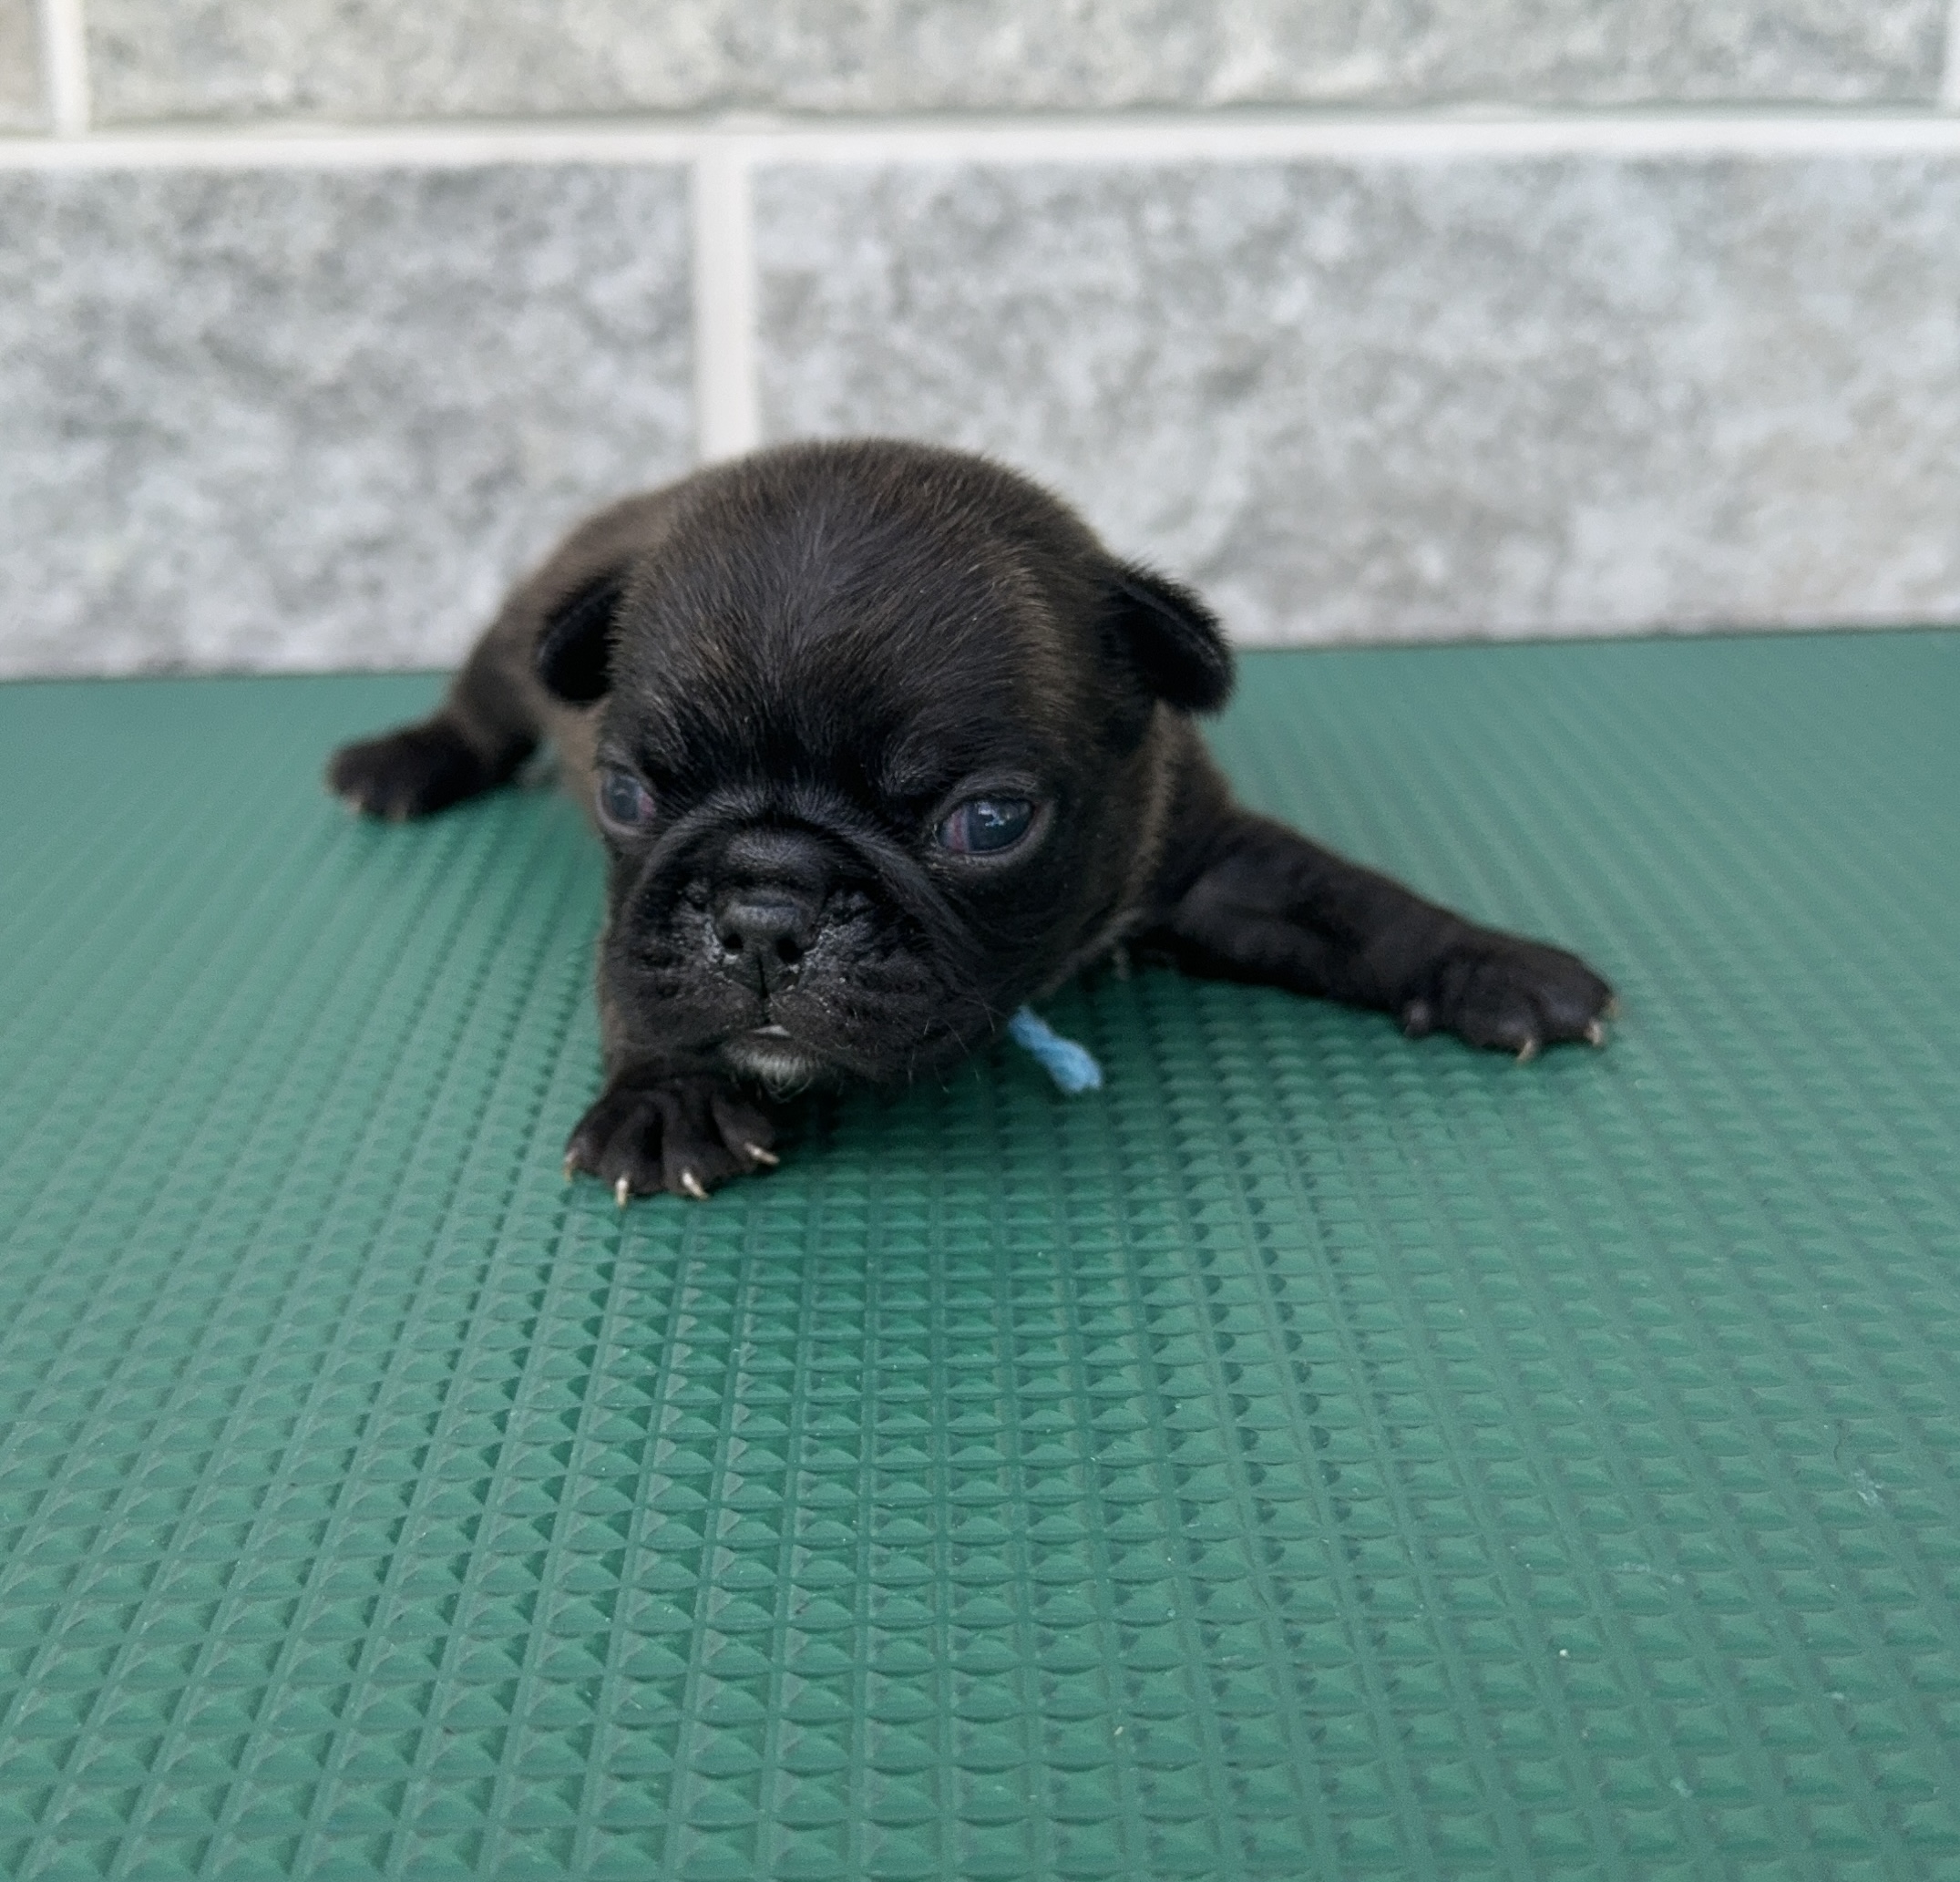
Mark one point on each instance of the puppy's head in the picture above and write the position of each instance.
(884, 743)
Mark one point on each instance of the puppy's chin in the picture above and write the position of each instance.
(774, 1064)
(784, 1062)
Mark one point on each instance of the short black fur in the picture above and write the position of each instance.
(789, 673)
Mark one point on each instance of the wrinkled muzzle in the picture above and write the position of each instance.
(792, 954)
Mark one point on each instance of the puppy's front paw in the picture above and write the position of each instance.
(1510, 995)
(409, 773)
(686, 1135)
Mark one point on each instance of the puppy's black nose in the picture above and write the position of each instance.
(763, 934)
(769, 894)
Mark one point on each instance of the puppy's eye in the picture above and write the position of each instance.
(624, 803)
(986, 826)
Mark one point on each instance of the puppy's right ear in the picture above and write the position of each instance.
(574, 657)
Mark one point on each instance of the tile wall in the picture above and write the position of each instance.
(1376, 319)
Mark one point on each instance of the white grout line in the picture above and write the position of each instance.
(341, 148)
(1199, 138)
(727, 401)
(64, 67)
(1192, 137)
(1950, 68)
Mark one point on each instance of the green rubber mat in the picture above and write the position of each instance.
(1316, 1455)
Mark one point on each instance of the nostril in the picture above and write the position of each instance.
(766, 929)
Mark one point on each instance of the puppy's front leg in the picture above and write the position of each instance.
(685, 1133)
(1269, 906)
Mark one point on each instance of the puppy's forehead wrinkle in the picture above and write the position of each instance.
(928, 760)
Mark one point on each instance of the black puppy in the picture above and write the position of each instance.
(883, 743)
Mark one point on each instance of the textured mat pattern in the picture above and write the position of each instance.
(1316, 1456)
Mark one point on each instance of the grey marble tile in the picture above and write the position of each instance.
(1390, 399)
(23, 102)
(314, 418)
(365, 59)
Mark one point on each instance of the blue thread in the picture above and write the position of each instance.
(1071, 1066)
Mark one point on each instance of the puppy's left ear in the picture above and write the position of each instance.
(574, 654)
(1172, 638)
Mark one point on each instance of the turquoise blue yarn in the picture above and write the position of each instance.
(1071, 1066)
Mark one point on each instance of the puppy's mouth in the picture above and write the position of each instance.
(769, 1053)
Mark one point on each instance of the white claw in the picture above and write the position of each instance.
(622, 1191)
(1527, 1051)
(1596, 1033)
(691, 1184)
(756, 1154)
(572, 1167)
